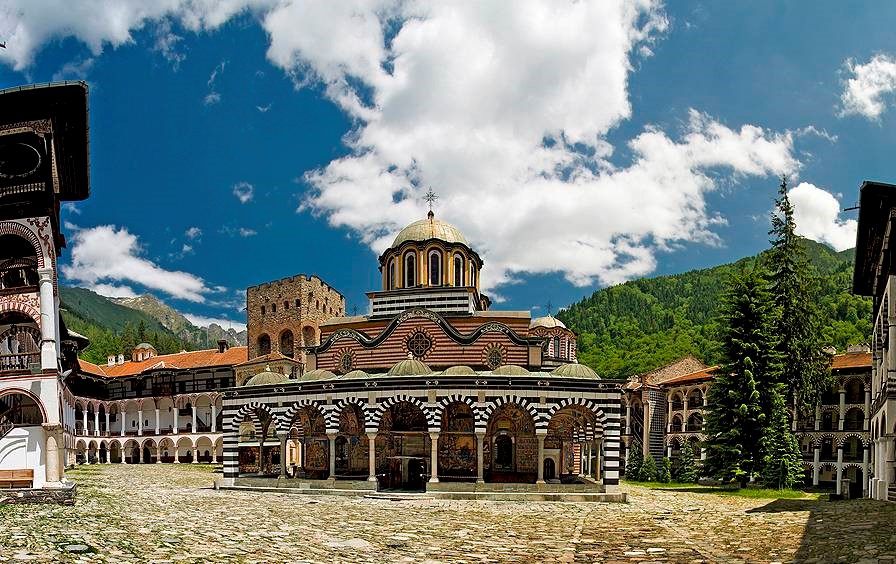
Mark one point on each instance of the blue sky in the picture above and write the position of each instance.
(576, 146)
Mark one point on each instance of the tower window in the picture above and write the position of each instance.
(262, 310)
(286, 304)
(390, 275)
(458, 270)
(273, 308)
(435, 268)
(410, 270)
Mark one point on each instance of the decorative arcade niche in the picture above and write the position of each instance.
(511, 447)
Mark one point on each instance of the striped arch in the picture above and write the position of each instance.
(15, 228)
(249, 411)
(287, 416)
(540, 422)
(566, 402)
(373, 423)
(25, 308)
(862, 439)
(453, 398)
(342, 404)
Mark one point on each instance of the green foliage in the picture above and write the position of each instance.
(664, 472)
(633, 462)
(798, 329)
(781, 454)
(648, 469)
(687, 464)
(737, 409)
(644, 324)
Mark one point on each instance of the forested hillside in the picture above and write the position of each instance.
(643, 324)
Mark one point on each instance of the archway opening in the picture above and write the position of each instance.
(510, 451)
(405, 447)
(457, 443)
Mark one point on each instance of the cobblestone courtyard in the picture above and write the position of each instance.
(168, 513)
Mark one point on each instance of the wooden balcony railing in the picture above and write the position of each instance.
(19, 361)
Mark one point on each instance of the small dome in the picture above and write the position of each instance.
(409, 367)
(575, 371)
(548, 321)
(459, 371)
(319, 374)
(144, 346)
(430, 228)
(267, 377)
(510, 370)
(355, 374)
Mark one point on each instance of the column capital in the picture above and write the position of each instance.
(434, 435)
(332, 436)
(45, 274)
(371, 436)
(51, 427)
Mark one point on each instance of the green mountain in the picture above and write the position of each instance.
(643, 324)
(179, 325)
(113, 328)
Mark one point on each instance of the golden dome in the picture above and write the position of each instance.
(548, 321)
(266, 378)
(459, 370)
(510, 370)
(409, 367)
(575, 371)
(430, 228)
(319, 374)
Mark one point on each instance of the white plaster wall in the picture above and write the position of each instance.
(24, 448)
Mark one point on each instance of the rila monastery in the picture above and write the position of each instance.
(424, 282)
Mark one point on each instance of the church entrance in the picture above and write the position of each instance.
(405, 448)
(406, 473)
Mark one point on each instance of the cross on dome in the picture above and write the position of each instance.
(431, 198)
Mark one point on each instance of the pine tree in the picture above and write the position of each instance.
(781, 454)
(736, 415)
(792, 282)
(664, 472)
(687, 464)
(648, 469)
(633, 462)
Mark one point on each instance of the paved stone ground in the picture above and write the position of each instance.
(168, 513)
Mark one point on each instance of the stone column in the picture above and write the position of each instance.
(158, 416)
(628, 418)
(193, 428)
(645, 431)
(434, 457)
(122, 414)
(816, 460)
(140, 421)
(214, 418)
(669, 416)
(371, 457)
(283, 438)
(48, 323)
(818, 417)
(841, 420)
(669, 452)
(158, 449)
(796, 416)
(867, 423)
(839, 467)
(195, 452)
(174, 428)
(96, 423)
(540, 437)
(865, 458)
(108, 424)
(598, 475)
(53, 467)
(480, 458)
(332, 440)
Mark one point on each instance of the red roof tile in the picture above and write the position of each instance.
(851, 360)
(705, 374)
(183, 360)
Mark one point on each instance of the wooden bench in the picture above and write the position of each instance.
(16, 478)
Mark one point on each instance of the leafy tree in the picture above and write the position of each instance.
(781, 454)
(648, 469)
(633, 462)
(794, 287)
(687, 464)
(736, 414)
(664, 472)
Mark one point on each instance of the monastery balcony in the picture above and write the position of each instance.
(19, 363)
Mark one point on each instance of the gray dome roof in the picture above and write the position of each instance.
(144, 346)
(548, 321)
(510, 370)
(267, 377)
(355, 374)
(575, 371)
(430, 228)
(319, 374)
(459, 370)
(409, 367)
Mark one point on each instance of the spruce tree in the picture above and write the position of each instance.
(648, 469)
(664, 472)
(781, 456)
(737, 410)
(633, 462)
(805, 371)
(687, 464)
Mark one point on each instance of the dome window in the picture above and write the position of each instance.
(390, 276)
(410, 270)
(435, 268)
(458, 270)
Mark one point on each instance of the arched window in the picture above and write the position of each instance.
(410, 270)
(264, 345)
(18, 263)
(435, 268)
(390, 275)
(286, 343)
(556, 347)
(472, 274)
(458, 270)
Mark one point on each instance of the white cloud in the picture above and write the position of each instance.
(166, 44)
(71, 207)
(244, 192)
(817, 215)
(211, 99)
(870, 88)
(113, 291)
(263, 109)
(105, 254)
(246, 232)
(203, 321)
(74, 70)
(193, 233)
